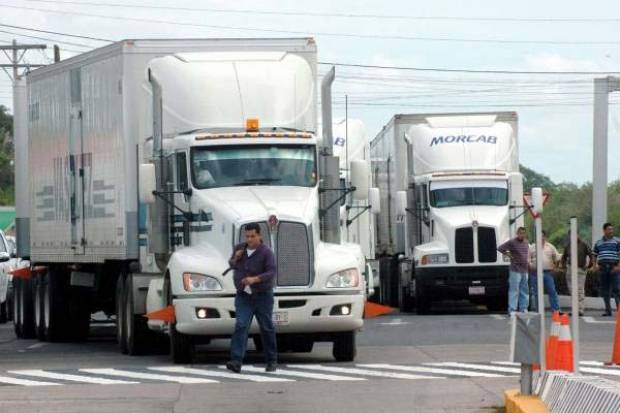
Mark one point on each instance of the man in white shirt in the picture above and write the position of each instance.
(551, 258)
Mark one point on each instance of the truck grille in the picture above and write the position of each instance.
(294, 255)
(464, 245)
(293, 250)
(487, 245)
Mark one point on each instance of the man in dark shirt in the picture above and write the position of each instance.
(607, 254)
(517, 249)
(254, 272)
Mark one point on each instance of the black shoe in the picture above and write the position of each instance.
(606, 314)
(581, 314)
(234, 366)
(271, 367)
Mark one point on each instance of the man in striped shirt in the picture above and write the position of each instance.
(607, 256)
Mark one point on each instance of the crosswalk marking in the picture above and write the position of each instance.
(304, 374)
(24, 382)
(594, 370)
(363, 372)
(477, 367)
(216, 373)
(148, 376)
(434, 370)
(69, 377)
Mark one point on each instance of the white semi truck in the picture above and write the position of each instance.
(451, 191)
(142, 162)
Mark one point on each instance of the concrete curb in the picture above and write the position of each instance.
(516, 403)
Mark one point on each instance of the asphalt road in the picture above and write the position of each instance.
(452, 361)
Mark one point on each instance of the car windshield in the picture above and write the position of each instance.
(284, 165)
(453, 197)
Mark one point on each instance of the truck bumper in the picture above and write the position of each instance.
(299, 314)
(462, 282)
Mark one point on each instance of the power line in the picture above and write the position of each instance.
(342, 15)
(47, 39)
(58, 33)
(447, 70)
(317, 33)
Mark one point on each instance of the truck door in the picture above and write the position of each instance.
(423, 213)
(181, 200)
(76, 165)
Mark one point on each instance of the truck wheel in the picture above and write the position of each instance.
(54, 306)
(17, 285)
(38, 285)
(345, 348)
(137, 333)
(121, 339)
(4, 311)
(181, 345)
(79, 313)
(26, 309)
(497, 304)
(422, 301)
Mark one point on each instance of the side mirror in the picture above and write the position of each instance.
(371, 280)
(360, 179)
(4, 256)
(374, 200)
(401, 203)
(147, 183)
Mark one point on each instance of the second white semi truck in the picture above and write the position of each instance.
(451, 192)
(138, 168)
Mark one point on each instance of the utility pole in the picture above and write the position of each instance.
(15, 58)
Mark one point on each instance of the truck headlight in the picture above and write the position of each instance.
(344, 279)
(435, 259)
(200, 282)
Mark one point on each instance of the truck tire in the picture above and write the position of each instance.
(121, 338)
(497, 304)
(137, 333)
(422, 300)
(38, 281)
(16, 307)
(26, 309)
(258, 343)
(54, 307)
(79, 313)
(181, 345)
(302, 345)
(345, 348)
(4, 311)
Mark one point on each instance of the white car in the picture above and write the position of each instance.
(8, 262)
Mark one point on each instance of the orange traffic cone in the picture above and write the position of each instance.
(564, 358)
(615, 356)
(375, 310)
(552, 341)
(165, 314)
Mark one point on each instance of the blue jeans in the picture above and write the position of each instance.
(246, 307)
(549, 288)
(610, 281)
(518, 292)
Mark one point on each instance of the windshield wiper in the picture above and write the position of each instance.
(257, 181)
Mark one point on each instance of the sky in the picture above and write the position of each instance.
(555, 110)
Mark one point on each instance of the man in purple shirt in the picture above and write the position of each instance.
(255, 270)
(517, 249)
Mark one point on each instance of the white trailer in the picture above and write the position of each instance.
(146, 158)
(451, 191)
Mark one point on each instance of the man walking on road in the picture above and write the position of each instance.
(607, 254)
(517, 249)
(255, 269)
(551, 258)
(584, 261)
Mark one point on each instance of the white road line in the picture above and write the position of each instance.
(215, 373)
(69, 377)
(499, 317)
(506, 363)
(304, 374)
(36, 345)
(434, 370)
(148, 376)
(395, 322)
(478, 367)
(603, 372)
(363, 372)
(24, 382)
(600, 364)
(592, 320)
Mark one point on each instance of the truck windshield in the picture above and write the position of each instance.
(452, 197)
(284, 165)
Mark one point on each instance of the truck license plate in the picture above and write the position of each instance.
(280, 317)
(476, 291)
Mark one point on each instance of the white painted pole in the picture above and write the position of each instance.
(574, 292)
(600, 155)
(541, 292)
